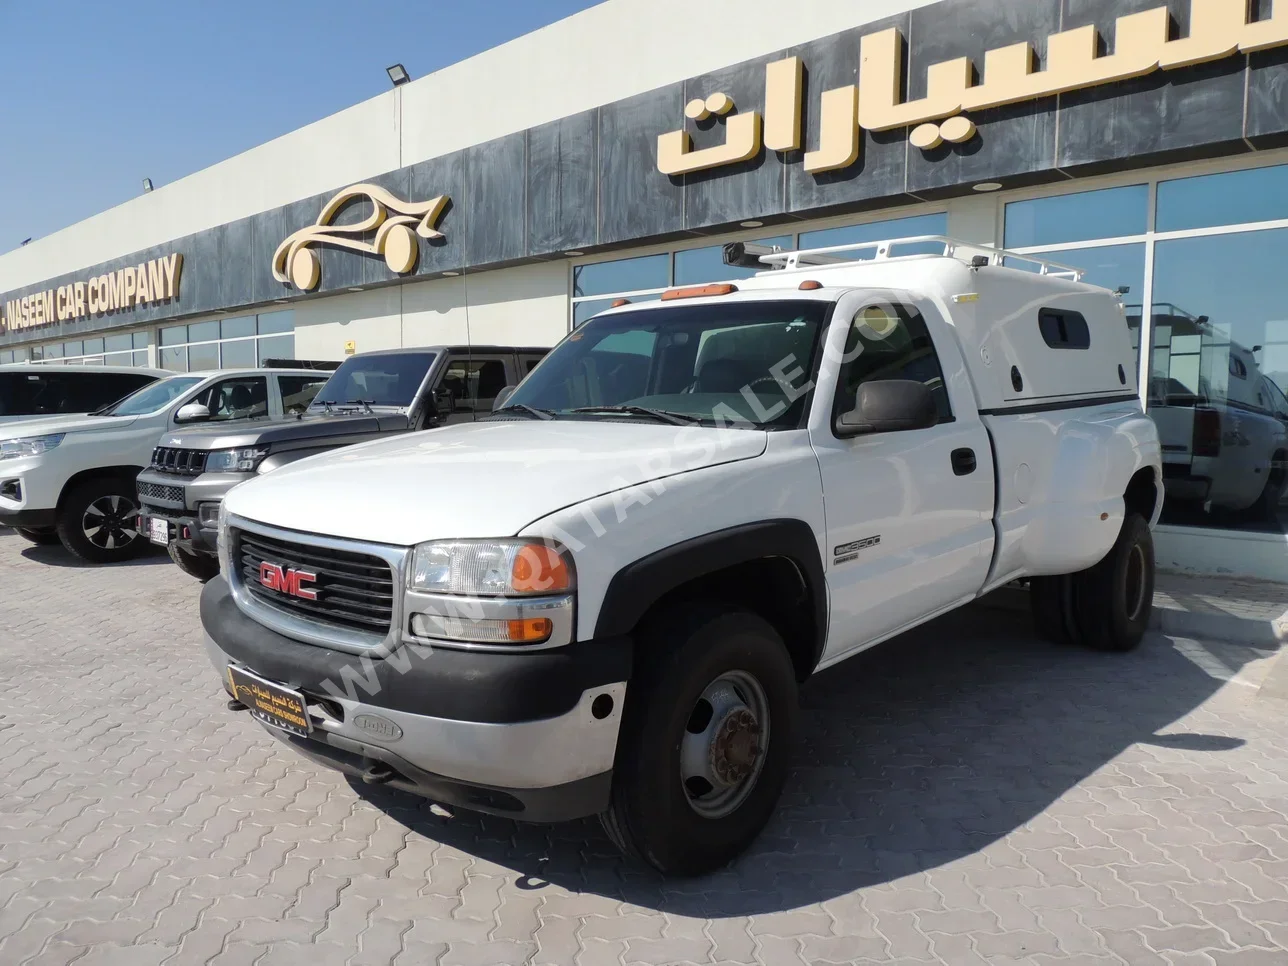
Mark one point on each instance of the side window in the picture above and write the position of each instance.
(890, 342)
(528, 363)
(243, 398)
(109, 387)
(1063, 329)
(299, 391)
(475, 383)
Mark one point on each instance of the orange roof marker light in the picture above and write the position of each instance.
(618, 303)
(698, 291)
(811, 285)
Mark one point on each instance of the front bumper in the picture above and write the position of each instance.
(527, 736)
(28, 519)
(176, 499)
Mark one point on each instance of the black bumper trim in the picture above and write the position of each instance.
(560, 803)
(200, 540)
(29, 519)
(479, 686)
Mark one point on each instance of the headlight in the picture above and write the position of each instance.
(12, 449)
(235, 460)
(491, 568)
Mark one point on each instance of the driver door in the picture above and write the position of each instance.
(909, 513)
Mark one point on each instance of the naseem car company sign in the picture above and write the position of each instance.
(147, 283)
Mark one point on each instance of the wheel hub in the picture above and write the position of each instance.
(109, 522)
(735, 747)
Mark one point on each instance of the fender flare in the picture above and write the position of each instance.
(637, 586)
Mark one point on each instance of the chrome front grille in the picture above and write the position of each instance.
(181, 462)
(159, 493)
(345, 589)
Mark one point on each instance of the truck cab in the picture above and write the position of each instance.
(603, 599)
(368, 396)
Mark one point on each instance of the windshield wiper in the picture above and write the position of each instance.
(360, 402)
(663, 415)
(527, 410)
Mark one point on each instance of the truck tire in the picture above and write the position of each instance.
(706, 739)
(98, 521)
(1113, 600)
(201, 566)
(41, 536)
(1051, 601)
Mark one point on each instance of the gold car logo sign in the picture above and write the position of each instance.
(392, 220)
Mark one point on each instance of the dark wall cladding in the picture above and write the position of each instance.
(591, 181)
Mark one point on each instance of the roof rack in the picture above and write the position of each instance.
(975, 255)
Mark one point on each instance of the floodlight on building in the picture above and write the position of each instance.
(398, 74)
(147, 185)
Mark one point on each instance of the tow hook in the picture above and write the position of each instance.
(378, 773)
(235, 705)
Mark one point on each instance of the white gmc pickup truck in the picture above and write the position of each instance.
(604, 599)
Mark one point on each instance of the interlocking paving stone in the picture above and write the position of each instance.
(963, 794)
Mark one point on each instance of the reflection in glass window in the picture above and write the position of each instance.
(238, 355)
(276, 347)
(1218, 369)
(237, 328)
(173, 335)
(1083, 216)
(623, 275)
(581, 311)
(203, 358)
(936, 224)
(174, 359)
(140, 340)
(203, 332)
(93, 346)
(1232, 198)
(117, 343)
(707, 264)
(274, 323)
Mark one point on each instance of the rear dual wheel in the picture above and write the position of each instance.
(1106, 607)
(706, 739)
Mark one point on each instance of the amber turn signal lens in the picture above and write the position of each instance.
(811, 285)
(532, 630)
(698, 291)
(539, 569)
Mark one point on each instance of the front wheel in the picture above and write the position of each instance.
(40, 536)
(201, 566)
(706, 740)
(98, 521)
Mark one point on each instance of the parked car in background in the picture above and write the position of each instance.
(603, 599)
(371, 395)
(33, 391)
(71, 479)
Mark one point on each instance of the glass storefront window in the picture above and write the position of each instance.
(935, 224)
(174, 335)
(176, 360)
(1082, 216)
(203, 332)
(1230, 198)
(202, 358)
(276, 347)
(1218, 371)
(622, 275)
(275, 323)
(699, 265)
(237, 328)
(118, 343)
(238, 355)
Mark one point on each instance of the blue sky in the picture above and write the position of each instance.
(95, 96)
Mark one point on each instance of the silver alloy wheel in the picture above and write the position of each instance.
(1135, 582)
(723, 749)
(110, 522)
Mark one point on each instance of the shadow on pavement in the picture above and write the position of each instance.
(912, 755)
(53, 555)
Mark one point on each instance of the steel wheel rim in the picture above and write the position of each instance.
(109, 522)
(1135, 582)
(724, 745)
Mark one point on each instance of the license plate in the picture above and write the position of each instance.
(159, 531)
(271, 703)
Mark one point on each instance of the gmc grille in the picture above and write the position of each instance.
(181, 462)
(160, 493)
(354, 590)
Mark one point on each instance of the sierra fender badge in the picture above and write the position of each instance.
(378, 726)
(847, 552)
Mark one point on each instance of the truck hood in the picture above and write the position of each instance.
(287, 430)
(48, 425)
(488, 479)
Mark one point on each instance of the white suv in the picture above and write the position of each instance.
(39, 391)
(603, 599)
(71, 479)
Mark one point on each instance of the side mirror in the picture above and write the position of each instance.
(889, 406)
(443, 401)
(192, 413)
(503, 397)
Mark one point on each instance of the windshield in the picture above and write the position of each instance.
(739, 363)
(377, 380)
(151, 398)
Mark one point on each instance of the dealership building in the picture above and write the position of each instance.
(508, 198)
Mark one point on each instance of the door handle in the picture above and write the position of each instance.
(964, 462)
